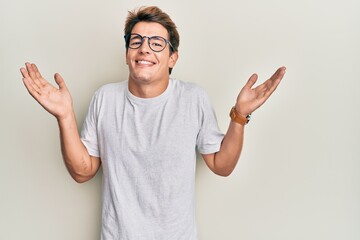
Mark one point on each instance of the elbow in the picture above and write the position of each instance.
(224, 166)
(81, 175)
(224, 172)
(219, 165)
(80, 178)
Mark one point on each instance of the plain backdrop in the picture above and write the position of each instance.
(299, 174)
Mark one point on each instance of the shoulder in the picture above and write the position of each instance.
(191, 94)
(109, 93)
(111, 87)
(188, 88)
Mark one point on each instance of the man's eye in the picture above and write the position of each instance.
(135, 43)
(156, 44)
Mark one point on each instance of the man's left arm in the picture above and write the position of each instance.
(249, 99)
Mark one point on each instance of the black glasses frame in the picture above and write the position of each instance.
(128, 36)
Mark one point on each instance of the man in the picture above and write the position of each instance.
(145, 131)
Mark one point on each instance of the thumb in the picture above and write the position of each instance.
(60, 81)
(252, 80)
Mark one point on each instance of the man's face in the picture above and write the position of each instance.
(145, 65)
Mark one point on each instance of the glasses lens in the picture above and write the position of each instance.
(157, 44)
(135, 41)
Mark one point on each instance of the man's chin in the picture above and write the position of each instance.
(143, 78)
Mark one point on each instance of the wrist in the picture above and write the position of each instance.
(239, 117)
(241, 111)
(67, 118)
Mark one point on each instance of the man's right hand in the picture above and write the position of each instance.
(56, 101)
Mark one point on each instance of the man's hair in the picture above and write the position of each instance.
(153, 14)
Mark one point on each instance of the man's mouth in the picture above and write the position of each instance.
(144, 62)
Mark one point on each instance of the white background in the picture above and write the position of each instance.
(299, 174)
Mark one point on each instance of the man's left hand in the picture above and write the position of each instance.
(250, 99)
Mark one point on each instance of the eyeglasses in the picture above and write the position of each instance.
(156, 43)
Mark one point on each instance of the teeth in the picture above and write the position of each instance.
(144, 62)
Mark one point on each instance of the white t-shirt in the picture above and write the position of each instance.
(148, 151)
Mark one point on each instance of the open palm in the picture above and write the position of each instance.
(250, 99)
(56, 101)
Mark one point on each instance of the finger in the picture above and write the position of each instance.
(29, 80)
(30, 70)
(252, 80)
(31, 88)
(279, 73)
(37, 72)
(24, 72)
(60, 81)
(273, 82)
(32, 74)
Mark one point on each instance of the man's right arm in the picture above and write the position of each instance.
(81, 166)
(57, 101)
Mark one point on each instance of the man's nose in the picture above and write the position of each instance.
(145, 48)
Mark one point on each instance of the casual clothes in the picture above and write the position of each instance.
(148, 151)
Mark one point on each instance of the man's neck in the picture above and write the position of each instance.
(147, 90)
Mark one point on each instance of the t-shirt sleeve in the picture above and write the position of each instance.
(209, 137)
(89, 129)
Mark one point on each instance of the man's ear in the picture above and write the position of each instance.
(126, 59)
(173, 59)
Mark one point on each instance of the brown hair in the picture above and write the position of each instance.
(153, 14)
